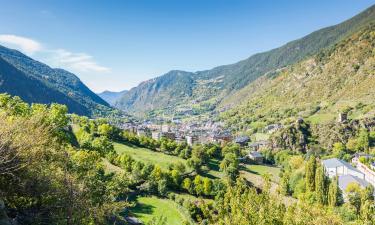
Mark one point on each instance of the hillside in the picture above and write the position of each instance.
(20, 75)
(184, 93)
(110, 96)
(337, 79)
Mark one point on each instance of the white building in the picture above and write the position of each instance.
(337, 167)
(156, 135)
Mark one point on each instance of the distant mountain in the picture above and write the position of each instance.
(110, 96)
(178, 92)
(36, 82)
(341, 78)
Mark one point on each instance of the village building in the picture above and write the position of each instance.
(345, 180)
(169, 135)
(259, 145)
(156, 135)
(337, 167)
(142, 132)
(273, 128)
(242, 140)
(191, 140)
(256, 156)
(342, 118)
(165, 128)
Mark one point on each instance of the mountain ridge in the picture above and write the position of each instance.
(58, 85)
(210, 87)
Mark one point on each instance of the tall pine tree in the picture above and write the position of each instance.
(310, 174)
(320, 185)
(333, 193)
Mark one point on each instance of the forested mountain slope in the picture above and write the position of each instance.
(202, 91)
(37, 82)
(341, 78)
(110, 96)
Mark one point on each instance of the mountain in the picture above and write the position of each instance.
(179, 93)
(36, 82)
(110, 96)
(337, 79)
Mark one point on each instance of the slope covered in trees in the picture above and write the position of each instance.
(177, 91)
(339, 79)
(21, 75)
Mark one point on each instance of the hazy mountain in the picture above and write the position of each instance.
(111, 96)
(36, 82)
(178, 92)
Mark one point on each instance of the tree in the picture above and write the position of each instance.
(187, 185)
(320, 185)
(198, 184)
(353, 191)
(105, 130)
(363, 140)
(230, 166)
(310, 174)
(338, 149)
(207, 186)
(284, 184)
(333, 193)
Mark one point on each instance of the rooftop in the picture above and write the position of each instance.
(345, 180)
(335, 162)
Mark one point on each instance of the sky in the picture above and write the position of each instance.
(115, 45)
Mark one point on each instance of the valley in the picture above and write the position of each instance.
(285, 136)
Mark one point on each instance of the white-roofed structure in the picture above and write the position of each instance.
(337, 167)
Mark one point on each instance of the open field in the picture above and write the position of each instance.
(263, 169)
(148, 156)
(148, 208)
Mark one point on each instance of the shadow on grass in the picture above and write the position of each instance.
(141, 208)
(244, 168)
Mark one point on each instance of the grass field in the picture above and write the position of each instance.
(148, 208)
(263, 169)
(213, 169)
(147, 156)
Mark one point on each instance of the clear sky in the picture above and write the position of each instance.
(114, 45)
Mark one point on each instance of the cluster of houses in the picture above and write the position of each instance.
(191, 132)
(360, 173)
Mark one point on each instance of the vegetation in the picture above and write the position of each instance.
(324, 84)
(36, 82)
(183, 94)
(150, 209)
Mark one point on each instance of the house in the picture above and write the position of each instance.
(242, 140)
(256, 146)
(345, 180)
(156, 135)
(165, 128)
(141, 132)
(169, 135)
(368, 172)
(221, 137)
(191, 139)
(273, 128)
(342, 118)
(337, 167)
(256, 156)
(357, 156)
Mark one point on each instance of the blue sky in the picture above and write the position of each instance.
(114, 45)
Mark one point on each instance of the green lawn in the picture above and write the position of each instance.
(150, 207)
(214, 169)
(148, 156)
(263, 169)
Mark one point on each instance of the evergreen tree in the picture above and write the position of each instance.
(310, 174)
(320, 188)
(333, 193)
